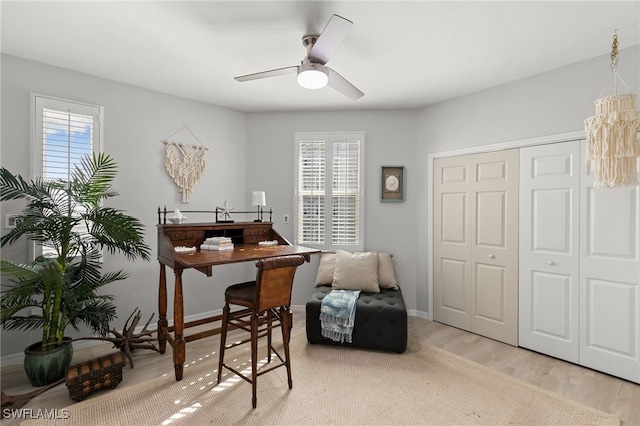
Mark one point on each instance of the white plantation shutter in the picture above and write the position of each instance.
(345, 230)
(329, 190)
(311, 190)
(67, 137)
(64, 132)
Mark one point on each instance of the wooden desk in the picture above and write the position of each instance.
(245, 236)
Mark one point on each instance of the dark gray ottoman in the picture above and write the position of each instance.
(381, 321)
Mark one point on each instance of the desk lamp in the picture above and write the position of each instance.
(259, 200)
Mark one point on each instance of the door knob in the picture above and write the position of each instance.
(549, 262)
(491, 256)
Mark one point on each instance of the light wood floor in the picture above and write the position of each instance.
(583, 385)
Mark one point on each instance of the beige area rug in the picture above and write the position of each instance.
(337, 386)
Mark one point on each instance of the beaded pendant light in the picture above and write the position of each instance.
(613, 135)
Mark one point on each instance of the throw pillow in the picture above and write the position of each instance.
(385, 272)
(356, 271)
(325, 269)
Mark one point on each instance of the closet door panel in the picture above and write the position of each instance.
(454, 219)
(551, 224)
(609, 309)
(611, 225)
(551, 295)
(494, 251)
(452, 251)
(610, 279)
(475, 243)
(454, 280)
(610, 327)
(549, 249)
(491, 222)
(491, 292)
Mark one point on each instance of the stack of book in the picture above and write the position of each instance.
(217, 243)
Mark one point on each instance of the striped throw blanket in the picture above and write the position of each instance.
(338, 313)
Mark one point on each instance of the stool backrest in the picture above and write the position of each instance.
(274, 280)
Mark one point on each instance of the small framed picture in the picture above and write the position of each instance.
(10, 221)
(392, 183)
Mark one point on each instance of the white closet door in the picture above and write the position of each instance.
(549, 249)
(610, 278)
(494, 250)
(451, 246)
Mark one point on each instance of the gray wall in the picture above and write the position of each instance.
(390, 140)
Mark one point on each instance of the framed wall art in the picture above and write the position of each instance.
(10, 221)
(392, 183)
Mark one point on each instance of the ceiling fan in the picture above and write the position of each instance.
(312, 71)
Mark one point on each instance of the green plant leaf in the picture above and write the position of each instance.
(68, 217)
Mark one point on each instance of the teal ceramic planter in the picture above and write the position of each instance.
(46, 367)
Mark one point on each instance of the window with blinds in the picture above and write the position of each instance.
(67, 137)
(329, 190)
(65, 132)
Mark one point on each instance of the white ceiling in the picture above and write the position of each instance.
(400, 54)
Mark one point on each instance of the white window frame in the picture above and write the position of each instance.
(38, 103)
(330, 138)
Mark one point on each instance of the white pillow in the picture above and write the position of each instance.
(356, 271)
(325, 269)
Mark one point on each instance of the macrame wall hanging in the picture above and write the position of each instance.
(185, 163)
(613, 134)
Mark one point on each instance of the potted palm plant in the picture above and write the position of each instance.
(60, 288)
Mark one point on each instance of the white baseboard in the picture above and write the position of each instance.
(419, 314)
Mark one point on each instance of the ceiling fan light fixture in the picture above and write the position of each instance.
(312, 76)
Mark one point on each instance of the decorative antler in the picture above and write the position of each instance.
(128, 341)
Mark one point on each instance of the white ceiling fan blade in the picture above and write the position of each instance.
(340, 84)
(266, 74)
(330, 38)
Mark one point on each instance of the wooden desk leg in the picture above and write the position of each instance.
(178, 323)
(162, 309)
(286, 318)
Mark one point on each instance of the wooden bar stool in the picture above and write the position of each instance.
(267, 302)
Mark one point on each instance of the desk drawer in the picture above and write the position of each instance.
(257, 231)
(176, 235)
(259, 234)
(195, 234)
(185, 235)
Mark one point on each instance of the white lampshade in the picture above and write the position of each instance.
(613, 141)
(258, 198)
(312, 76)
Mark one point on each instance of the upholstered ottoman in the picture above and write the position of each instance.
(380, 322)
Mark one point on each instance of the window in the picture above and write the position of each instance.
(329, 190)
(63, 133)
